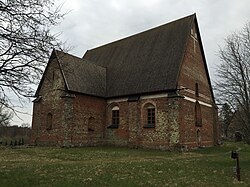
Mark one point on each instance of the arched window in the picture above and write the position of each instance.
(49, 121)
(91, 124)
(149, 116)
(198, 117)
(115, 116)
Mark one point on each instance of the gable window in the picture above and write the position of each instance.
(198, 117)
(49, 121)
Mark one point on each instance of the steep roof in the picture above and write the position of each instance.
(79, 75)
(149, 61)
(82, 76)
(146, 62)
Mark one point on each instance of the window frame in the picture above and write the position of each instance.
(115, 117)
(149, 115)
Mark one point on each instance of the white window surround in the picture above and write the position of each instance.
(115, 108)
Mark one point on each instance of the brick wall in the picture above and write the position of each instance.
(76, 119)
(194, 71)
(117, 136)
(82, 120)
(88, 120)
(50, 103)
(133, 117)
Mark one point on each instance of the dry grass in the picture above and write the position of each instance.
(113, 166)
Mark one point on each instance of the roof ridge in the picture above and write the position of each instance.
(134, 35)
(149, 61)
(80, 59)
(80, 75)
(56, 50)
(60, 65)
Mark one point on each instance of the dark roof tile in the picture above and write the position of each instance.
(82, 76)
(145, 62)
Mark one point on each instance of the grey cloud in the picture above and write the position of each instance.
(95, 22)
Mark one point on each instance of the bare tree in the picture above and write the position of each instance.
(226, 116)
(26, 42)
(233, 85)
(5, 116)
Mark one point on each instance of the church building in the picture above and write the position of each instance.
(150, 90)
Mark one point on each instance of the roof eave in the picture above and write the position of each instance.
(185, 48)
(204, 59)
(45, 71)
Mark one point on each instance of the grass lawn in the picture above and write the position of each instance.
(114, 166)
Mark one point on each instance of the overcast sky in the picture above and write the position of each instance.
(91, 23)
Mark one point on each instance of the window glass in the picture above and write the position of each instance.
(151, 116)
(115, 116)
